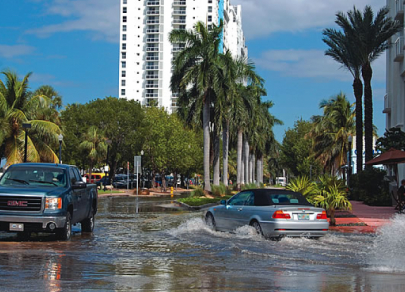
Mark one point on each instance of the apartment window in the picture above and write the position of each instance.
(124, 46)
(124, 19)
(123, 73)
(124, 64)
(124, 55)
(209, 18)
(209, 8)
(122, 91)
(124, 28)
(124, 10)
(210, 1)
(122, 82)
(124, 1)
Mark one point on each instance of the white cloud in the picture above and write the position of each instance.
(9, 51)
(312, 64)
(99, 16)
(264, 17)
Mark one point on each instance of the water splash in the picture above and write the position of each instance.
(387, 253)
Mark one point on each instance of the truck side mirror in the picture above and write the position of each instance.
(79, 185)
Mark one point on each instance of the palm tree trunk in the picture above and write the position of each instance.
(239, 160)
(358, 93)
(216, 159)
(242, 178)
(206, 135)
(246, 160)
(259, 175)
(367, 73)
(250, 168)
(225, 149)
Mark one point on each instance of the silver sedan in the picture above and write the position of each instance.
(273, 213)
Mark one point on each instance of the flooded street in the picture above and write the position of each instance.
(172, 250)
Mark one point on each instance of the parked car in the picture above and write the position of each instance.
(273, 213)
(121, 181)
(103, 182)
(95, 177)
(46, 197)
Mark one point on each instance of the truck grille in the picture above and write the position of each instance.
(20, 203)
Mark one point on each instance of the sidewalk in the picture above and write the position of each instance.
(364, 219)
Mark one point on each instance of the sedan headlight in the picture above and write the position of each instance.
(53, 203)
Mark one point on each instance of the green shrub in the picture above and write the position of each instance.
(198, 192)
(369, 186)
(218, 190)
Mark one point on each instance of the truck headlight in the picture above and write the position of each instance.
(53, 203)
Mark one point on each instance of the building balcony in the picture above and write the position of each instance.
(152, 3)
(153, 30)
(152, 58)
(179, 3)
(151, 77)
(152, 40)
(179, 21)
(153, 21)
(387, 107)
(175, 50)
(399, 50)
(179, 12)
(152, 12)
(152, 67)
(152, 49)
(151, 94)
(152, 86)
(399, 10)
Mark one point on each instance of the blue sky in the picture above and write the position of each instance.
(73, 45)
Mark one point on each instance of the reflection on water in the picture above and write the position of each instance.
(163, 249)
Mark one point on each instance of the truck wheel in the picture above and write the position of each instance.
(88, 223)
(66, 232)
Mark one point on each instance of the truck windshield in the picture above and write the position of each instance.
(43, 176)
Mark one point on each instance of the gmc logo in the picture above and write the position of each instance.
(17, 203)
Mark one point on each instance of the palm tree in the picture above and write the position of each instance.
(373, 35)
(18, 106)
(331, 132)
(197, 66)
(365, 38)
(342, 51)
(235, 71)
(94, 144)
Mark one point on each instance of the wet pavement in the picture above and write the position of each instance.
(165, 249)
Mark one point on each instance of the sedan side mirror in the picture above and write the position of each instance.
(79, 185)
(223, 202)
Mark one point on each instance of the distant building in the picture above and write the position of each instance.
(145, 51)
(354, 153)
(394, 100)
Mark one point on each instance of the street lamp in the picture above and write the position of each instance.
(60, 137)
(26, 126)
(349, 170)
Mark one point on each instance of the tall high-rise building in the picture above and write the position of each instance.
(145, 51)
(394, 100)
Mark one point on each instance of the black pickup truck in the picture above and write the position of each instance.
(45, 197)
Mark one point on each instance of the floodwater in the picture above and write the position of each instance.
(172, 250)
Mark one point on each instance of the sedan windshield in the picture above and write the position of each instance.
(50, 177)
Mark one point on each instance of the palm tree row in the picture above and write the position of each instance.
(362, 39)
(39, 109)
(226, 92)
